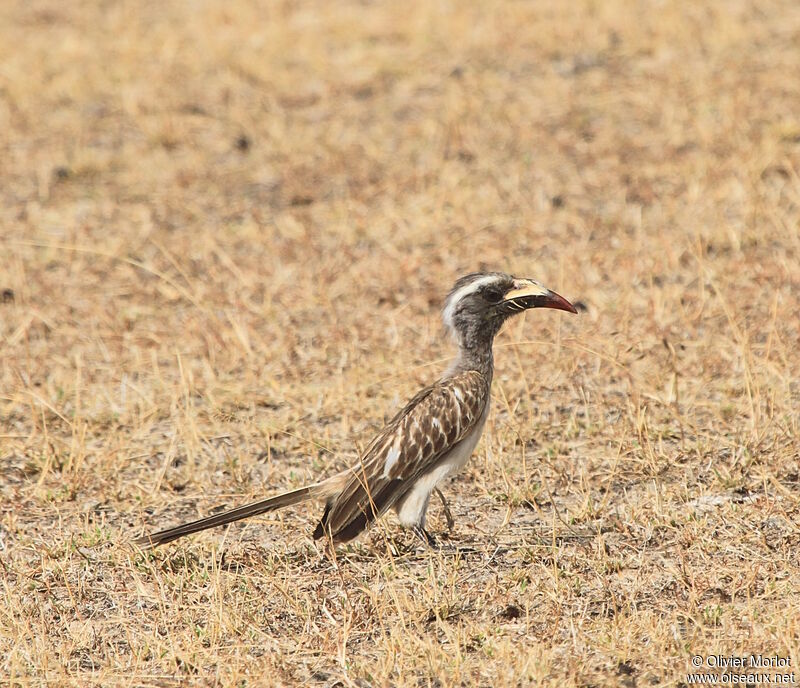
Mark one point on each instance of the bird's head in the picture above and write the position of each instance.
(479, 303)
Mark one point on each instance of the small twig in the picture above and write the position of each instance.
(448, 516)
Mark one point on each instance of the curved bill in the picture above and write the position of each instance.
(530, 294)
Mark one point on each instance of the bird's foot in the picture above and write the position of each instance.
(427, 539)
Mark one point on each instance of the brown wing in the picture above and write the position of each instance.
(411, 443)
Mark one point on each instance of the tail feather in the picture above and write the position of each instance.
(262, 506)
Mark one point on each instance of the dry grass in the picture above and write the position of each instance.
(225, 233)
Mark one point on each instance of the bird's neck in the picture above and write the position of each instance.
(474, 357)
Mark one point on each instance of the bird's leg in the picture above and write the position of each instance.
(425, 536)
(447, 515)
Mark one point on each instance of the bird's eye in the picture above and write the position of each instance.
(493, 294)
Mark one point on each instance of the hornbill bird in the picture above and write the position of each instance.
(430, 438)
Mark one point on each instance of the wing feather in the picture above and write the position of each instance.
(412, 442)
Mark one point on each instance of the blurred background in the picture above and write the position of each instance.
(227, 229)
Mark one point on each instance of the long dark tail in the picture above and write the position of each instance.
(301, 494)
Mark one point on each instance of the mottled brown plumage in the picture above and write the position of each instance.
(428, 440)
(414, 440)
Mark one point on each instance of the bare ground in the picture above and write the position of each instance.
(225, 233)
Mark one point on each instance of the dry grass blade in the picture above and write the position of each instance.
(225, 233)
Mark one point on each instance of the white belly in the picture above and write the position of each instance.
(412, 507)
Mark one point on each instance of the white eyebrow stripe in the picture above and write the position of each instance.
(450, 306)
